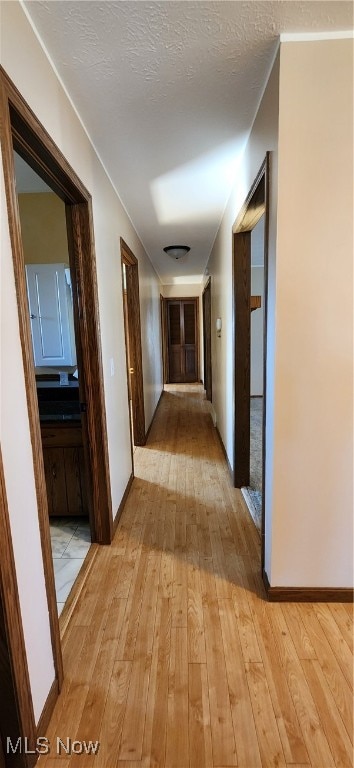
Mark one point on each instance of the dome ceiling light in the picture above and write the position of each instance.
(176, 251)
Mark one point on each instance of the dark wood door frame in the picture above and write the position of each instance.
(22, 131)
(133, 341)
(207, 340)
(255, 205)
(164, 348)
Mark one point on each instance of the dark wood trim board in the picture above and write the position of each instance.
(48, 709)
(122, 503)
(255, 205)
(133, 342)
(152, 420)
(307, 594)
(224, 451)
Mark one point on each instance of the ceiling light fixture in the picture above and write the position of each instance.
(177, 251)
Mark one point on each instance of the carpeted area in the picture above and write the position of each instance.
(253, 494)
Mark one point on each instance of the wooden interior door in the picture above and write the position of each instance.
(207, 339)
(182, 319)
(132, 330)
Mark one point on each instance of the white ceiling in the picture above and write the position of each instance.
(168, 92)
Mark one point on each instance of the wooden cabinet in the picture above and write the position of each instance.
(51, 313)
(64, 468)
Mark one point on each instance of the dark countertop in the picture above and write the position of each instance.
(55, 418)
(56, 385)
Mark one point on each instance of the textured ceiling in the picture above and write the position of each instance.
(168, 92)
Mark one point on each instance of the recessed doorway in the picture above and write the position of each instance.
(254, 209)
(207, 340)
(132, 330)
(22, 132)
(182, 318)
(55, 357)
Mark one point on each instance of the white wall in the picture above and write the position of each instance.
(189, 290)
(39, 85)
(313, 429)
(309, 435)
(263, 138)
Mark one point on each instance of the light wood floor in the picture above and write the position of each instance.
(173, 657)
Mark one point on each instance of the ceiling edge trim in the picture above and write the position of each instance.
(305, 37)
(67, 94)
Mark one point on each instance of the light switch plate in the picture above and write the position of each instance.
(111, 361)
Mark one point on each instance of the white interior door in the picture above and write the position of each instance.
(50, 308)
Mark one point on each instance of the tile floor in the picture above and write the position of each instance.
(71, 541)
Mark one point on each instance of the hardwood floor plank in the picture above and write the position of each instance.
(200, 746)
(113, 715)
(241, 708)
(180, 589)
(172, 655)
(195, 618)
(299, 636)
(331, 669)
(335, 731)
(92, 713)
(344, 622)
(223, 740)
(154, 745)
(336, 640)
(268, 735)
(287, 720)
(223, 585)
(131, 745)
(314, 737)
(177, 746)
(203, 532)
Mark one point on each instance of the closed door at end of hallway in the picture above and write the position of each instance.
(182, 317)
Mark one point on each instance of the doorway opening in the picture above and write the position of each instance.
(182, 316)
(255, 208)
(207, 340)
(54, 346)
(164, 340)
(253, 492)
(23, 133)
(132, 329)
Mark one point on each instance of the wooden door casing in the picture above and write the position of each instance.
(255, 206)
(132, 328)
(21, 131)
(207, 340)
(182, 328)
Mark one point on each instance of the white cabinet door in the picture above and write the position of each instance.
(51, 312)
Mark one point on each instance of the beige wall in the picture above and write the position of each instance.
(43, 228)
(313, 424)
(189, 290)
(309, 437)
(40, 87)
(263, 138)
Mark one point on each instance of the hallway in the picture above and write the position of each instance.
(172, 657)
